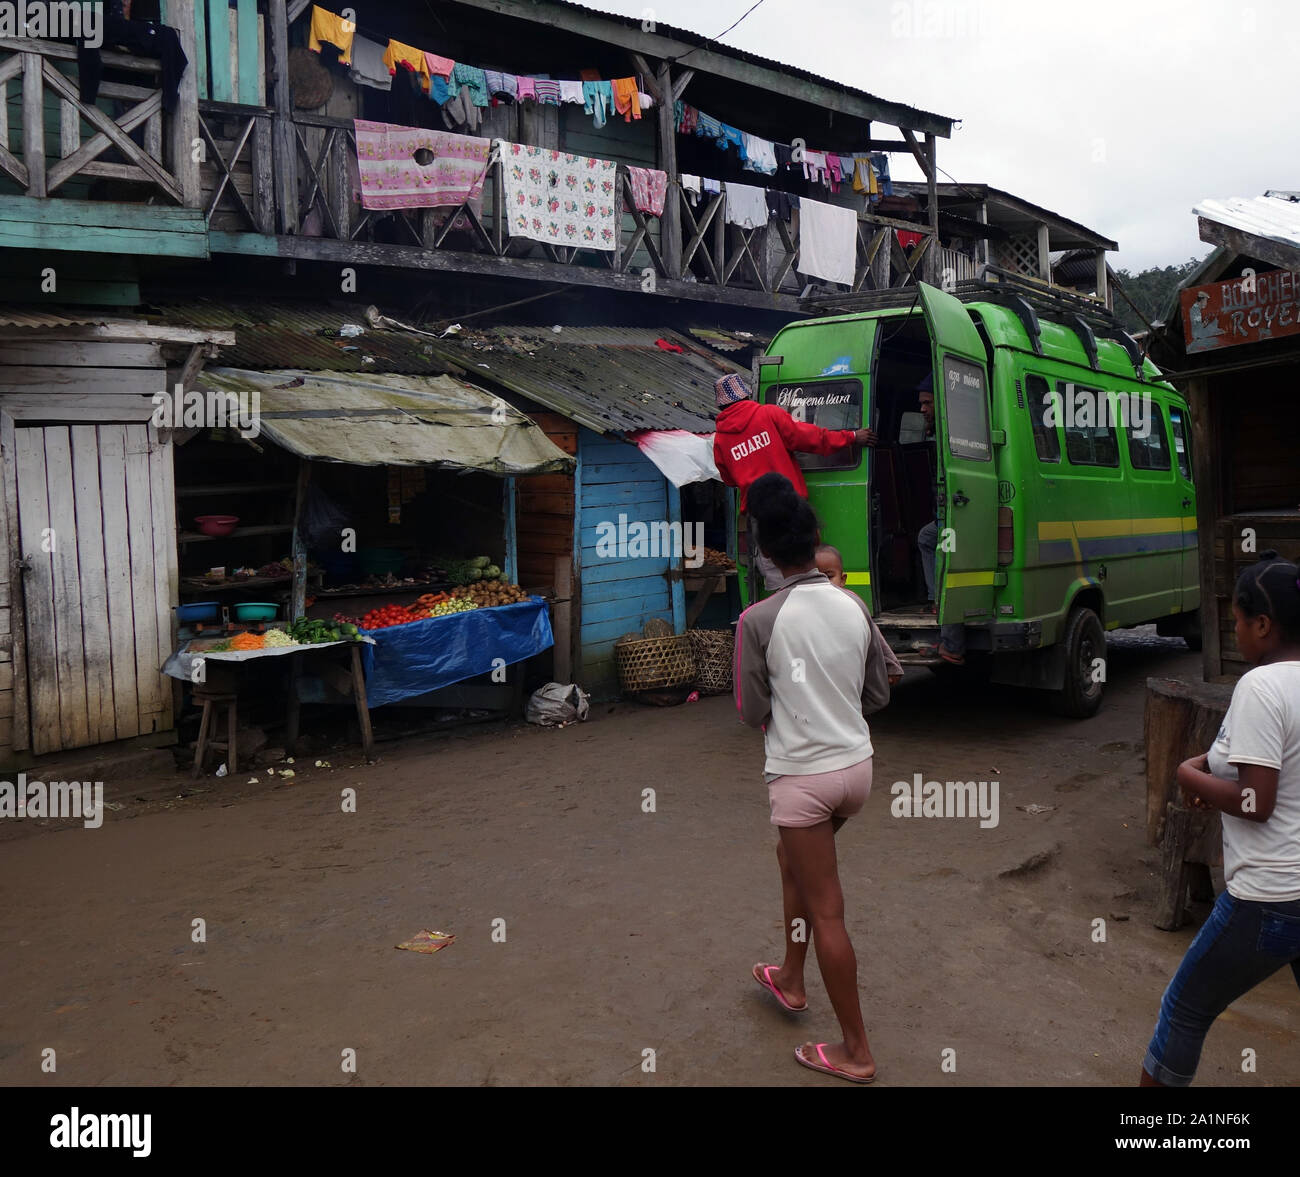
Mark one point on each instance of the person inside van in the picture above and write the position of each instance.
(951, 646)
(1251, 774)
(752, 440)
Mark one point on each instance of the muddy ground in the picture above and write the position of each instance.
(625, 931)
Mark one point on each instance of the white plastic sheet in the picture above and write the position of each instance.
(680, 455)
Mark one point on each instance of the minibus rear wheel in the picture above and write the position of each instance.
(1084, 642)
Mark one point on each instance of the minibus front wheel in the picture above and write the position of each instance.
(1084, 643)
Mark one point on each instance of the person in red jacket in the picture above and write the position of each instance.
(752, 440)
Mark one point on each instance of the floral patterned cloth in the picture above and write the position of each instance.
(648, 188)
(558, 198)
(392, 178)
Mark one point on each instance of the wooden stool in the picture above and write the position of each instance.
(211, 702)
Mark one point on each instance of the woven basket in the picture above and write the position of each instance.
(657, 627)
(714, 652)
(653, 663)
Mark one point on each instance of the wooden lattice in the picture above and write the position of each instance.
(1019, 254)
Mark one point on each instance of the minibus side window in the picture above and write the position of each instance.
(1086, 442)
(1047, 442)
(1149, 451)
(1182, 443)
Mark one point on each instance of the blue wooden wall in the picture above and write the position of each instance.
(619, 595)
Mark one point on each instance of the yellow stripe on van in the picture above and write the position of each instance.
(1107, 528)
(956, 580)
(857, 578)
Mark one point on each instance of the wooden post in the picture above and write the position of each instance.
(1044, 253)
(263, 175)
(34, 124)
(670, 224)
(185, 121)
(299, 598)
(933, 259)
(562, 620)
(982, 215)
(1209, 506)
(363, 705)
(1103, 290)
(286, 155)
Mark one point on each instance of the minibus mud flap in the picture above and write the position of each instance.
(1021, 661)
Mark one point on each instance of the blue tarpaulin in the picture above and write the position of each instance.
(422, 656)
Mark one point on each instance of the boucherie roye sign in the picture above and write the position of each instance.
(1241, 310)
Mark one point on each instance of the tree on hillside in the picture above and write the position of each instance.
(1152, 290)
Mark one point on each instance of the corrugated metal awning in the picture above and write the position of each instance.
(392, 421)
(1273, 216)
(610, 379)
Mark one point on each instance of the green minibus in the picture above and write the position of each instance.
(1058, 477)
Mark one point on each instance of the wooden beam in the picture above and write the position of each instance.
(933, 258)
(286, 151)
(1044, 253)
(664, 43)
(1103, 291)
(1206, 470)
(126, 332)
(185, 120)
(921, 158)
(33, 125)
(648, 78)
(360, 253)
(683, 80)
(1248, 245)
(297, 8)
(670, 223)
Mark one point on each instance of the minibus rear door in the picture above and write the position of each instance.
(966, 559)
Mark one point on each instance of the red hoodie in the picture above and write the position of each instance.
(753, 440)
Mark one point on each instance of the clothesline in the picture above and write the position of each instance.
(463, 91)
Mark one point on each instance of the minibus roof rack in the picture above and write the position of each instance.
(1026, 298)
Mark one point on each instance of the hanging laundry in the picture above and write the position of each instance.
(325, 26)
(649, 187)
(711, 187)
(781, 204)
(828, 241)
(368, 68)
(730, 137)
(880, 162)
(548, 91)
(834, 173)
(687, 118)
(706, 126)
(627, 98)
(784, 154)
(814, 166)
(408, 58)
(864, 176)
(746, 205)
(572, 92)
(439, 67)
(846, 166)
(691, 186)
(474, 80)
(501, 83)
(558, 198)
(440, 90)
(391, 178)
(525, 88)
(759, 155)
(907, 239)
(646, 100)
(462, 111)
(598, 101)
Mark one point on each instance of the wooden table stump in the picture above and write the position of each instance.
(1183, 717)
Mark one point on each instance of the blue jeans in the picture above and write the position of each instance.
(953, 637)
(1241, 944)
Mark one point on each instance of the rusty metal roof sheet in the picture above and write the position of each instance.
(392, 421)
(306, 336)
(10, 317)
(610, 379)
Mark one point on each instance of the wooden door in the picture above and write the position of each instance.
(96, 535)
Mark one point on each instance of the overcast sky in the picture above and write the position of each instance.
(1119, 114)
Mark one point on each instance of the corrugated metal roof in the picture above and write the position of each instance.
(1273, 216)
(610, 379)
(392, 421)
(306, 336)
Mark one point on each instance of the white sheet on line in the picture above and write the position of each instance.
(828, 241)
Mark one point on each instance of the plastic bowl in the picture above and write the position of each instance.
(198, 611)
(255, 611)
(216, 524)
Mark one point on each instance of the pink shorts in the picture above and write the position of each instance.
(809, 800)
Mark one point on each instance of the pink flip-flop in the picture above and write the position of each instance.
(766, 982)
(827, 1067)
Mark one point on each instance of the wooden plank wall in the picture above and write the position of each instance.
(619, 595)
(1278, 530)
(544, 518)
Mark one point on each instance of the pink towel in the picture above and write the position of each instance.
(391, 177)
(527, 88)
(648, 189)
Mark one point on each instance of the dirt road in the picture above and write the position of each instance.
(624, 931)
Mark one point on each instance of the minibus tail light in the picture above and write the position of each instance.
(1006, 535)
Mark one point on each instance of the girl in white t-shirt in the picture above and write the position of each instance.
(1252, 775)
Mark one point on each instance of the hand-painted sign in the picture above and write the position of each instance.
(1241, 310)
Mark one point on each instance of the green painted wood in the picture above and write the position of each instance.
(201, 43)
(257, 244)
(250, 64)
(91, 213)
(218, 23)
